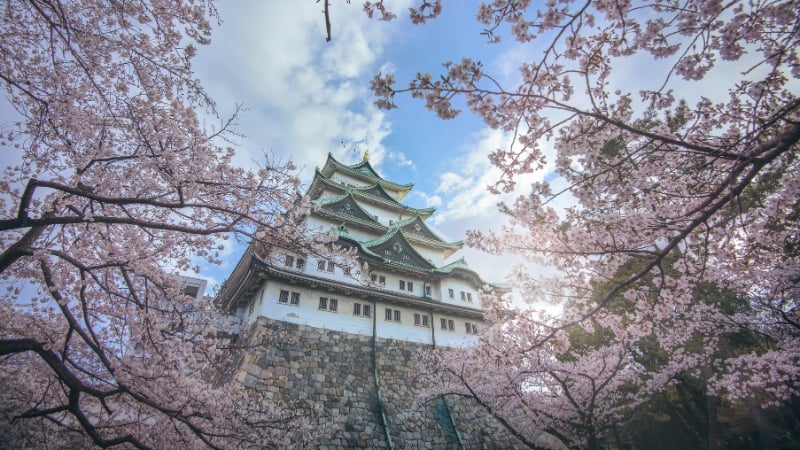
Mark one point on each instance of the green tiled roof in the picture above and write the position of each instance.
(374, 193)
(363, 170)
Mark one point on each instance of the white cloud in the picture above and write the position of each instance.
(427, 200)
(400, 160)
(305, 96)
(466, 190)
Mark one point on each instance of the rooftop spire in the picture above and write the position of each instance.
(366, 156)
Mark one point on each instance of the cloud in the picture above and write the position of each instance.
(400, 161)
(305, 96)
(427, 200)
(466, 193)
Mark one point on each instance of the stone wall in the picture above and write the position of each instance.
(332, 374)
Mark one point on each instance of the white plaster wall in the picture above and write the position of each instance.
(384, 214)
(458, 337)
(361, 235)
(459, 285)
(405, 329)
(308, 313)
(434, 255)
(393, 283)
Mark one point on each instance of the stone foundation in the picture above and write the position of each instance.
(332, 374)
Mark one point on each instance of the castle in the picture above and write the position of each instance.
(409, 291)
(343, 338)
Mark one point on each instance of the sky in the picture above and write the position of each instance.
(305, 97)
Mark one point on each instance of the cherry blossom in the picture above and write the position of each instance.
(661, 190)
(114, 186)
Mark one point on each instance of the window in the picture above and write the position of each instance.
(362, 310)
(471, 328)
(288, 261)
(428, 291)
(406, 285)
(295, 298)
(301, 263)
(421, 320)
(284, 297)
(447, 324)
(378, 279)
(346, 270)
(330, 266)
(417, 320)
(469, 297)
(321, 264)
(450, 293)
(392, 315)
(328, 304)
(463, 295)
(191, 291)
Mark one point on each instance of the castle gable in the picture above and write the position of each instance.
(378, 192)
(346, 205)
(365, 168)
(394, 247)
(417, 226)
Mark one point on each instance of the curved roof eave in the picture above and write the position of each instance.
(331, 164)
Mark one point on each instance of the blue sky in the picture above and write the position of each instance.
(306, 97)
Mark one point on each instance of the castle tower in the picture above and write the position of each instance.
(404, 286)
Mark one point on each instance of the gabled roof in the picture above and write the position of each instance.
(347, 206)
(375, 190)
(364, 171)
(395, 247)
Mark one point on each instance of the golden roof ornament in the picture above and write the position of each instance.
(366, 156)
